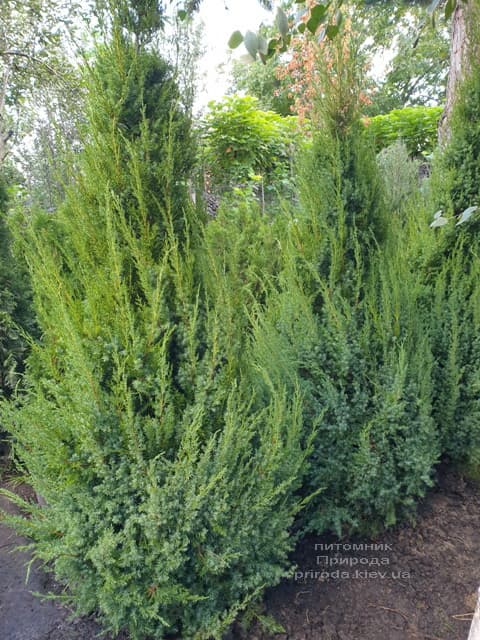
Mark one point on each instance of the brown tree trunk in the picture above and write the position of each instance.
(464, 54)
(459, 58)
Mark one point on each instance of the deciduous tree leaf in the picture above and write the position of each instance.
(281, 21)
(262, 45)
(251, 43)
(236, 40)
(450, 8)
(273, 44)
(467, 214)
(317, 14)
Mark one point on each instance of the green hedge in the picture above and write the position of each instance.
(344, 325)
(416, 126)
(195, 387)
(454, 273)
(241, 141)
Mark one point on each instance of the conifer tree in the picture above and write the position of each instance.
(15, 305)
(344, 324)
(169, 495)
(453, 273)
(340, 187)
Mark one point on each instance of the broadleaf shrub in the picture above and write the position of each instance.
(417, 127)
(241, 141)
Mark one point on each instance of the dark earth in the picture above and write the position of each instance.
(419, 584)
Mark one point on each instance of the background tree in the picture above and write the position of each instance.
(415, 75)
(325, 21)
(183, 45)
(262, 82)
(462, 52)
(31, 54)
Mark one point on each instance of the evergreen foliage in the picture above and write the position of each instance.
(458, 167)
(364, 368)
(169, 488)
(15, 305)
(453, 270)
(340, 188)
(344, 321)
(241, 257)
(342, 195)
(130, 89)
(455, 323)
(202, 392)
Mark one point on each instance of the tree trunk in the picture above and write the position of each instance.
(459, 57)
(458, 47)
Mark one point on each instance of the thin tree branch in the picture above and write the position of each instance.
(35, 60)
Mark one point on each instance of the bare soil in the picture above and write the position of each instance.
(419, 583)
(23, 615)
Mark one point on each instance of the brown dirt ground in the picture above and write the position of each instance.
(428, 592)
(424, 587)
(24, 616)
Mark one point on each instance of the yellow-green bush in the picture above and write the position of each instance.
(241, 141)
(169, 488)
(345, 325)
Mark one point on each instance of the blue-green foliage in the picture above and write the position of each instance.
(364, 369)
